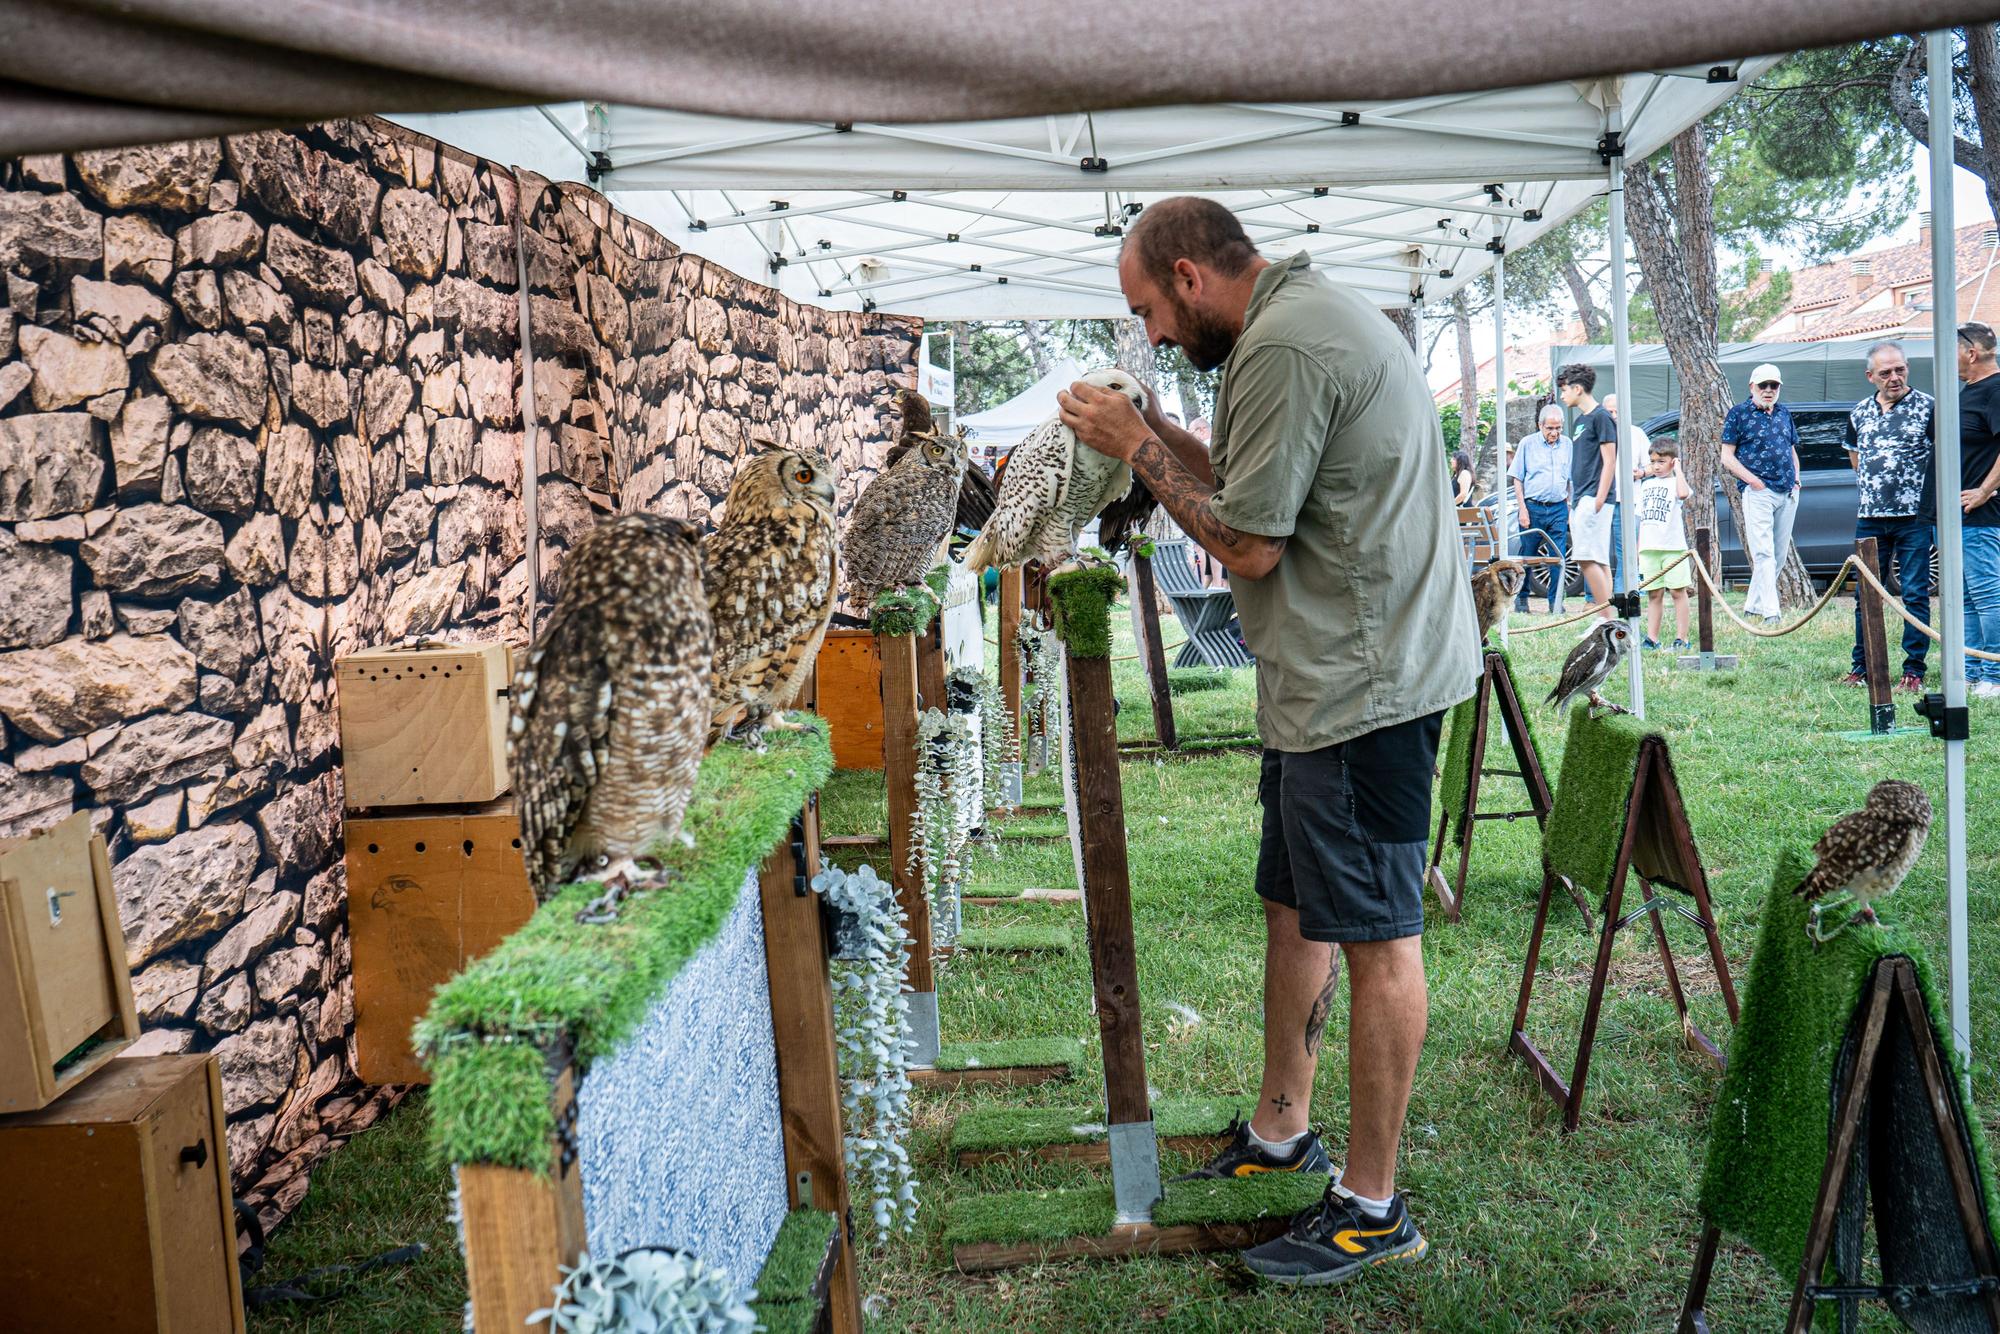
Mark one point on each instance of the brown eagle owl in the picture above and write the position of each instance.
(770, 570)
(897, 530)
(610, 709)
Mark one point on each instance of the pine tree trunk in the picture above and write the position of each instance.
(961, 343)
(1034, 335)
(1132, 352)
(1405, 319)
(1981, 159)
(1468, 376)
(1586, 311)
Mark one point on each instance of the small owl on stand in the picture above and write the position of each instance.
(1865, 854)
(899, 525)
(1493, 588)
(1590, 664)
(610, 708)
(770, 571)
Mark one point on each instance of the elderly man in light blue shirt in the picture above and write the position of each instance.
(1541, 476)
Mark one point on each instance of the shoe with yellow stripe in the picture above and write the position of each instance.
(1335, 1240)
(1242, 1158)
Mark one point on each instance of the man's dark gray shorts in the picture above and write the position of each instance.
(1344, 831)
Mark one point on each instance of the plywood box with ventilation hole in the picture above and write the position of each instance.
(424, 726)
(427, 893)
(115, 1203)
(65, 995)
(850, 697)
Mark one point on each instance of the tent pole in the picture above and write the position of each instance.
(1621, 378)
(1501, 442)
(1951, 596)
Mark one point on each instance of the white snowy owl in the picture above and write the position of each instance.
(1053, 487)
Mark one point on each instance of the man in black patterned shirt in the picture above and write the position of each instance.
(1890, 436)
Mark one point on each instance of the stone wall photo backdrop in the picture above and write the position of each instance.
(261, 405)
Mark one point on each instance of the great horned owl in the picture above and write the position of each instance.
(898, 528)
(1866, 853)
(1053, 487)
(610, 709)
(1492, 589)
(770, 571)
(975, 488)
(1593, 659)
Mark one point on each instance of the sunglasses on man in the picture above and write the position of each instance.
(1765, 384)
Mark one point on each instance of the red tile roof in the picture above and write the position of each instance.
(1826, 292)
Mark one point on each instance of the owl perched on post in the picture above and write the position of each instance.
(975, 488)
(1053, 487)
(610, 708)
(1866, 853)
(770, 571)
(1492, 589)
(1588, 665)
(899, 525)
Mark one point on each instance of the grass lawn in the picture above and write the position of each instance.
(1529, 1229)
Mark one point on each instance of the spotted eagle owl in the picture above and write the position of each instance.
(1590, 663)
(1866, 853)
(770, 570)
(610, 709)
(899, 525)
(1053, 487)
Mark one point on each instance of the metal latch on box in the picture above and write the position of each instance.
(56, 896)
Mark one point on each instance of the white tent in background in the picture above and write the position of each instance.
(999, 429)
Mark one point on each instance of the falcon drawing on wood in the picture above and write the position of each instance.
(897, 530)
(1053, 487)
(770, 571)
(610, 709)
(1865, 854)
(1593, 660)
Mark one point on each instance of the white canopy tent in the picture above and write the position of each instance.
(1002, 427)
(1406, 201)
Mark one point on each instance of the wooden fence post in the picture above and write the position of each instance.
(1705, 658)
(1010, 643)
(520, 1226)
(1152, 653)
(899, 769)
(1874, 640)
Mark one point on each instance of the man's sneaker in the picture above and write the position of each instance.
(1241, 1158)
(1911, 684)
(1682, 646)
(1773, 622)
(1855, 679)
(1652, 644)
(1334, 1240)
(1984, 690)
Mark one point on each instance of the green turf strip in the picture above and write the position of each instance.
(1010, 1053)
(796, 1255)
(984, 1129)
(1768, 1137)
(995, 891)
(1588, 822)
(1457, 774)
(559, 985)
(1052, 1215)
(909, 611)
(1016, 940)
(787, 1317)
(1082, 601)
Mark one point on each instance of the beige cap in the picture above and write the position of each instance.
(1766, 371)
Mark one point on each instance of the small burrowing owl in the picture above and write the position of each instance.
(610, 709)
(899, 524)
(770, 571)
(1866, 853)
(1053, 487)
(1492, 589)
(1593, 659)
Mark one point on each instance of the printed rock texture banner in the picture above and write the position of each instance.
(261, 405)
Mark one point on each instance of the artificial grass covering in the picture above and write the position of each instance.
(1010, 1053)
(1082, 602)
(1052, 1215)
(910, 611)
(1457, 772)
(1016, 940)
(984, 1129)
(1768, 1137)
(558, 987)
(1599, 762)
(1194, 680)
(796, 1255)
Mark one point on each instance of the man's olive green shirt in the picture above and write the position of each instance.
(1325, 435)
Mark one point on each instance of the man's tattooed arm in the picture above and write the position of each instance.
(1186, 497)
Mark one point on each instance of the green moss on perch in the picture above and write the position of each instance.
(986, 1129)
(1768, 1136)
(908, 611)
(1082, 601)
(1055, 1215)
(796, 1255)
(1015, 940)
(1600, 761)
(1011, 1053)
(560, 986)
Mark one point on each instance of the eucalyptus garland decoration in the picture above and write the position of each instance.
(999, 746)
(873, 1040)
(1042, 656)
(651, 1288)
(950, 806)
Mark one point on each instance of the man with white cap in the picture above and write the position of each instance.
(1760, 448)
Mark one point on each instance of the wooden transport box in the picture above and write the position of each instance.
(63, 981)
(428, 892)
(850, 697)
(424, 726)
(115, 1204)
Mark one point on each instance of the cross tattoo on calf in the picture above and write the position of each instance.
(1281, 1102)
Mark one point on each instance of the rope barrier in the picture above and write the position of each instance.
(1596, 607)
(1897, 604)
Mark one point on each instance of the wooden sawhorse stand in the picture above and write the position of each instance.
(1657, 846)
(1496, 687)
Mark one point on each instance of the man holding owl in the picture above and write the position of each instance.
(1320, 494)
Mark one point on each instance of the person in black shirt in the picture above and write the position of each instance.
(1592, 476)
(1979, 501)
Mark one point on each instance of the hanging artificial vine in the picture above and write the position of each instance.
(873, 1039)
(999, 746)
(1042, 657)
(950, 805)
